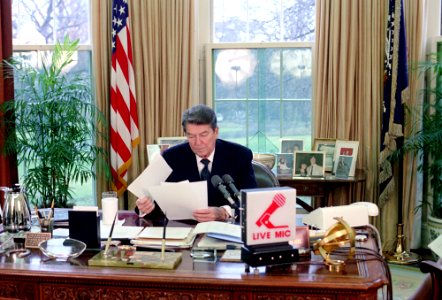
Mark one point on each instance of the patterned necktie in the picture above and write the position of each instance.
(205, 174)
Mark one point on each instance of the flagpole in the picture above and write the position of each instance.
(400, 255)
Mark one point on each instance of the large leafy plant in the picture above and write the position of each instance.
(52, 124)
(427, 141)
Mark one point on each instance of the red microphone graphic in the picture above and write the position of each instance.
(277, 202)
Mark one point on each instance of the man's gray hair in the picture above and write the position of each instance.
(199, 115)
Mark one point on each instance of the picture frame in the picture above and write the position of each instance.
(328, 146)
(284, 164)
(343, 166)
(309, 163)
(346, 149)
(291, 145)
(154, 149)
(171, 140)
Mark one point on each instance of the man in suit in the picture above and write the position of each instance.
(187, 162)
(313, 169)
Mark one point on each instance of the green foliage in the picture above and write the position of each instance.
(427, 140)
(52, 124)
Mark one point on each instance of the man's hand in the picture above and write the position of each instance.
(210, 214)
(145, 205)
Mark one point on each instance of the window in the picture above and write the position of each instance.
(262, 91)
(37, 25)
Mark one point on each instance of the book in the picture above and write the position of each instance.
(184, 237)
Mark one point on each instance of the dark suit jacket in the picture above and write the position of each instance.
(230, 158)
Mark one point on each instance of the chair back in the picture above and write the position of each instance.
(264, 176)
(431, 287)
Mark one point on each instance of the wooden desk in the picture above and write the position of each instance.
(30, 278)
(324, 186)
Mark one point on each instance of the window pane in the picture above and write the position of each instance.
(32, 22)
(72, 18)
(263, 20)
(262, 95)
(42, 22)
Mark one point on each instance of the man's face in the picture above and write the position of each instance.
(202, 138)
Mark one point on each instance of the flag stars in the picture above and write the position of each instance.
(122, 10)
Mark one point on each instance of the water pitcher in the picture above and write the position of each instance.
(16, 213)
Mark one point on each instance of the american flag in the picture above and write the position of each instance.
(395, 84)
(124, 134)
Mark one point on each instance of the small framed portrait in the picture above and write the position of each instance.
(154, 149)
(328, 146)
(347, 149)
(291, 145)
(171, 140)
(343, 166)
(284, 164)
(309, 163)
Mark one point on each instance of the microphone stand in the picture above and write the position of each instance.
(400, 255)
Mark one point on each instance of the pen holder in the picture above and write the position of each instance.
(47, 225)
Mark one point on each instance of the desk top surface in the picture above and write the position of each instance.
(366, 271)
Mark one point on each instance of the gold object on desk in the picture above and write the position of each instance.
(401, 256)
(338, 235)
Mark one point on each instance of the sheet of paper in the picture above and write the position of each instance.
(174, 233)
(436, 246)
(179, 199)
(220, 230)
(120, 231)
(156, 172)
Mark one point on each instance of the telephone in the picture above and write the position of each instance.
(355, 214)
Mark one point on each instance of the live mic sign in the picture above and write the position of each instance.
(268, 223)
(268, 215)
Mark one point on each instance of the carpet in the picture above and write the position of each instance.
(406, 279)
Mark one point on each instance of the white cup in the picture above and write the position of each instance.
(109, 207)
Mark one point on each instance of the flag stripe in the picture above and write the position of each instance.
(124, 134)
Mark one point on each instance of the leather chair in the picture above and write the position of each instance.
(266, 178)
(431, 287)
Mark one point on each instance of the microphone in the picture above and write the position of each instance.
(277, 202)
(218, 183)
(228, 180)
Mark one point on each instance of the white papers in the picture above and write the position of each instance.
(220, 230)
(176, 199)
(172, 233)
(120, 231)
(179, 199)
(436, 246)
(156, 172)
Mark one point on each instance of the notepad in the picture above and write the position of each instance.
(172, 233)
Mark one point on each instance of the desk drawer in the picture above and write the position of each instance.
(305, 188)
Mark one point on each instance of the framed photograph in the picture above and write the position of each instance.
(154, 149)
(346, 149)
(171, 140)
(291, 145)
(284, 164)
(309, 163)
(328, 146)
(343, 166)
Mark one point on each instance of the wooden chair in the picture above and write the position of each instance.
(266, 178)
(431, 288)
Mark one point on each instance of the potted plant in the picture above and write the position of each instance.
(427, 142)
(54, 125)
